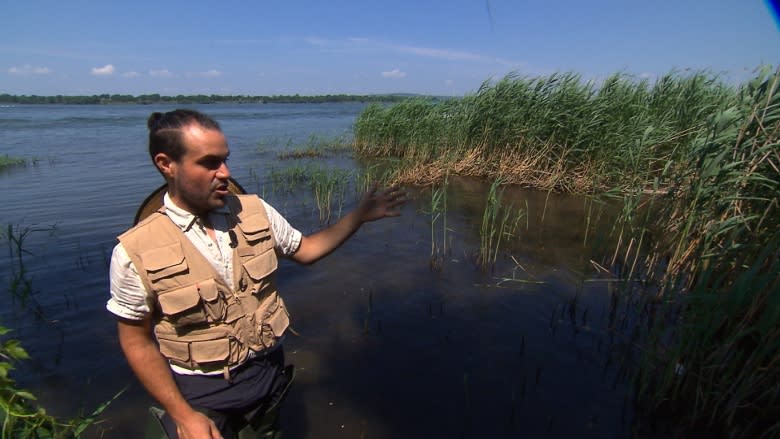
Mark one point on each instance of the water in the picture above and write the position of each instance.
(387, 348)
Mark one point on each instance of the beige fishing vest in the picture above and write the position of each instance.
(199, 321)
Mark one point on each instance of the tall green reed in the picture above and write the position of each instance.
(711, 354)
(438, 211)
(327, 186)
(499, 223)
(557, 131)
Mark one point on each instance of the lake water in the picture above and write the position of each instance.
(388, 347)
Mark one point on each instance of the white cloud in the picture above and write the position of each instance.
(395, 73)
(364, 44)
(131, 74)
(451, 55)
(449, 82)
(647, 75)
(163, 73)
(106, 70)
(213, 73)
(314, 41)
(27, 70)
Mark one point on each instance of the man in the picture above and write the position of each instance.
(199, 274)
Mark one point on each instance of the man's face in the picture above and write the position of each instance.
(198, 182)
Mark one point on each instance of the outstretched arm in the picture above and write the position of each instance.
(153, 372)
(373, 205)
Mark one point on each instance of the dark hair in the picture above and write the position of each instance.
(165, 131)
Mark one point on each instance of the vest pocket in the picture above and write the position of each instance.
(261, 265)
(255, 229)
(177, 351)
(181, 306)
(164, 261)
(195, 304)
(212, 300)
(272, 318)
(210, 351)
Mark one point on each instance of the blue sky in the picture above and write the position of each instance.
(267, 47)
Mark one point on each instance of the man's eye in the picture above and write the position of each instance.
(212, 163)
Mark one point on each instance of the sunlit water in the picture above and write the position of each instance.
(388, 346)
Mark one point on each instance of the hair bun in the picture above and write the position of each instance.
(154, 120)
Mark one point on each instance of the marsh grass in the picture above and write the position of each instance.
(557, 132)
(499, 223)
(316, 146)
(7, 161)
(330, 190)
(706, 253)
(438, 214)
(327, 186)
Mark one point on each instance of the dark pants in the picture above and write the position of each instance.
(254, 384)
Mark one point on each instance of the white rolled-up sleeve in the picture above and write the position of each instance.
(288, 238)
(129, 299)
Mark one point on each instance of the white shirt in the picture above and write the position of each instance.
(129, 298)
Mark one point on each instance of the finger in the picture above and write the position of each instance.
(400, 196)
(389, 191)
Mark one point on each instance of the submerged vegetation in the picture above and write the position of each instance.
(697, 165)
(20, 414)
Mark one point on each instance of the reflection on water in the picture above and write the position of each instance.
(387, 347)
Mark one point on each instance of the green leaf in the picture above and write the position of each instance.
(25, 394)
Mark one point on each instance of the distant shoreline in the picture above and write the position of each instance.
(108, 99)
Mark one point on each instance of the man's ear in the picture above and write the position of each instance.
(165, 164)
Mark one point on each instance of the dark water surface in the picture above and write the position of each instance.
(388, 347)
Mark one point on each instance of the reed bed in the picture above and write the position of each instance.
(713, 355)
(697, 165)
(556, 132)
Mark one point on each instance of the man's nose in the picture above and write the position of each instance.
(223, 172)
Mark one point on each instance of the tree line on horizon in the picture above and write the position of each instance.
(155, 98)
